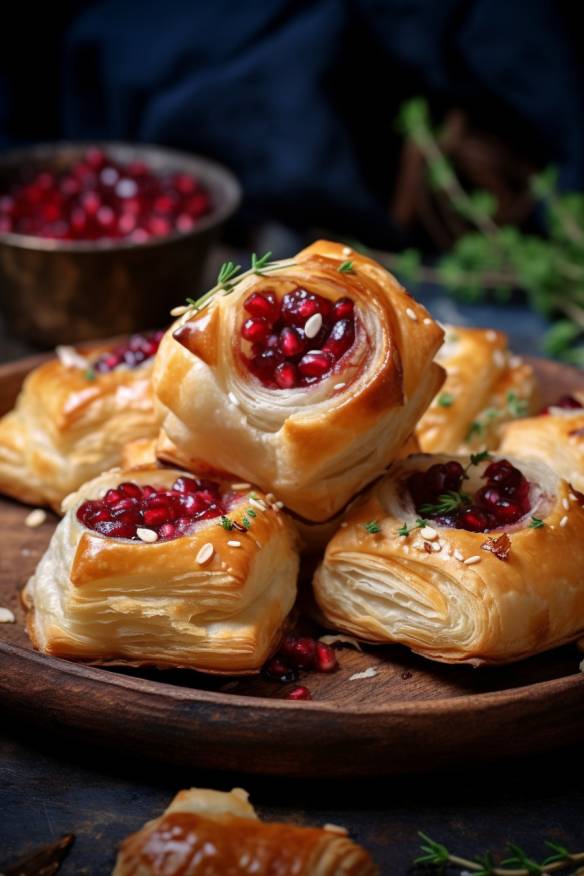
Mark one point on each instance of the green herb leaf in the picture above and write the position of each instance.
(434, 853)
(516, 406)
(536, 523)
(445, 399)
(477, 458)
(258, 264)
(372, 527)
(475, 428)
(345, 268)
(227, 272)
(447, 502)
(403, 530)
(226, 523)
(89, 374)
(250, 512)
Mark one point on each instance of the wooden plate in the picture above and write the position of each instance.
(412, 715)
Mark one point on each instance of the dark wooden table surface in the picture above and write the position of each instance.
(49, 788)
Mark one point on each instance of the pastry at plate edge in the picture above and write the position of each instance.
(213, 833)
(219, 414)
(387, 587)
(116, 601)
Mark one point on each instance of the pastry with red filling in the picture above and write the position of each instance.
(74, 416)
(463, 559)
(306, 379)
(157, 567)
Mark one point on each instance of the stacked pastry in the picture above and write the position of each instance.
(289, 397)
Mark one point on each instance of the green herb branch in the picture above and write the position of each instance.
(496, 258)
(518, 863)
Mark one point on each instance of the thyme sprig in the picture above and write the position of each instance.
(405, 531)
(447, 502)
(372, 527)
(345, 268)
(229, 276)
(518, 863)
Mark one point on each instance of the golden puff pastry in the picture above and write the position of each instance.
(449, 593)
(154, 567)
(313, 399)
(212, 833)
(556, 438)
(486, 386)
(73, 417)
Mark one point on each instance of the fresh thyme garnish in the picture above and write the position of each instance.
(475, 428)
(516, 406)
(477, 458)
(246, 521)
(251, 513)
(447, 502)
(517, 864)
(445, 399)
(258, 265)
(227, 272)
(372, 527)
(536, 523)
(89, 374)
(403, 530)
(226, 523)
(345, 268)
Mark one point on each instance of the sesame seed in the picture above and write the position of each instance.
(427, 321)
(35, 518)
(491, 336)
(429, 533)
(458, 555)
(242, 486)
(313, 325)
(257, 503)
(6, 616)
(347, 250)
(147, 535)
(566, 504)
(412, 314)
(437, 546)
(499, 358)
(470, 561)
(205, 553)
(564, 520)
(180, 310)
(70, 358)
(270, 497)
(234, 544)
(278, 505)
(339, 385)
(233, 399)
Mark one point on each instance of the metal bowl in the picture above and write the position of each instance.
(55, 291)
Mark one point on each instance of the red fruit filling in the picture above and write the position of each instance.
(138, 349)
(568, 402)
(98, 197)
(169, 512)
(298, 340)
(438, 494)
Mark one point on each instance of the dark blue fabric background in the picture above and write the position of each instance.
(297, 97)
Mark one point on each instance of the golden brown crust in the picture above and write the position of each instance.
(66, 429)
(115, 601)
(192, 839)
(219, 415)
(486, 386)
(419, 591)
(556, 439)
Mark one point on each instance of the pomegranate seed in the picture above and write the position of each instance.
(301, 653)
(325, 659)
(344, 308)
(473, 519)
(255, 329)
(290, 342)
(115, 528)
(315, 364)
(299, 693)
(263, 305)
(286, 375)
(137, 350)
(186, 485)
(130, 489)
(568, 402)
(112, 497)
(277, 670)
(341, 338)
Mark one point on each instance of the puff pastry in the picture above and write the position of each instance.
(452, 594)
(556, 438)
(486, 386)
(210, 833)
(356, 395)
(74, 416)
(154, 567)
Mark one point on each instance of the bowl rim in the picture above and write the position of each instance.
(205, 168)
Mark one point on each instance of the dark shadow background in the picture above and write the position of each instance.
(299, 98)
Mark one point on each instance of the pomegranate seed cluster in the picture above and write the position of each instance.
(295, 342)
(300, 653)
(503, 500)
(169, 513)
(136, 350)
(567, 402)
(99, 197)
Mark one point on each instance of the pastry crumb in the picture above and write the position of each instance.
(370, 672)
(341, 640)
(412, 314)
(35, 518)
(179, 310)
(7, 616)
